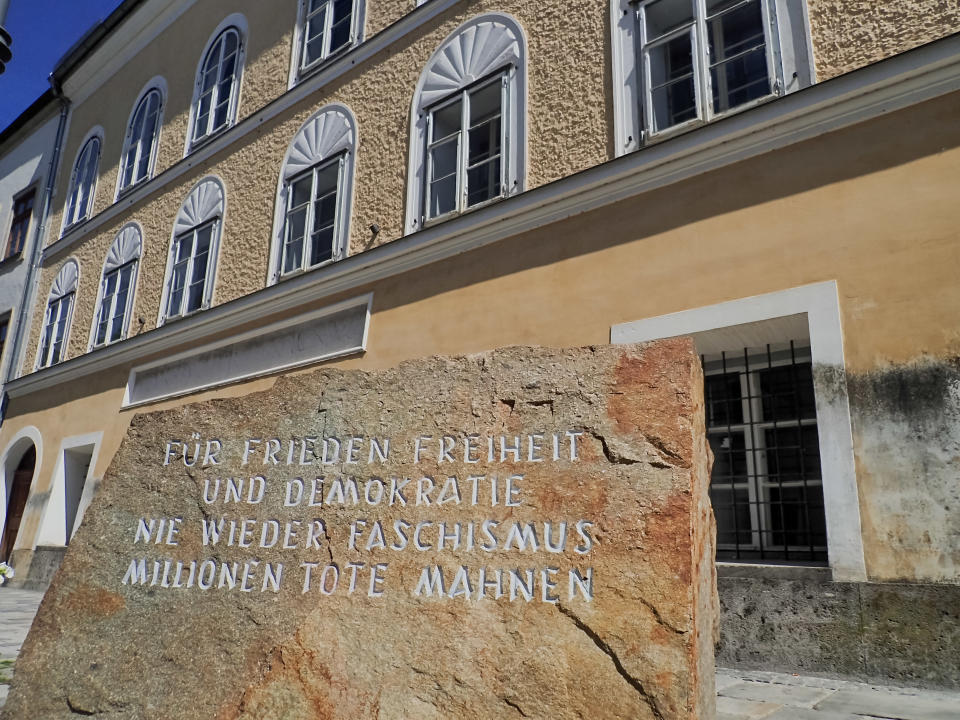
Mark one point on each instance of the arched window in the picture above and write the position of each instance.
(468, 143)
(140, 145)
(56, 322)
(312, 215)
(119, 281)
(83, 181)
(218, 84)
(191, 265)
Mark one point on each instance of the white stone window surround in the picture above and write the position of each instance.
(64, 286)
(480, 48)
(729, 322)
(12, 454)
(158, 83)
(56, 526)
(330, 131)
(126, 248)
(95, 133)
(206, 201)
(357, 34)
(238, 22)
(790, 44)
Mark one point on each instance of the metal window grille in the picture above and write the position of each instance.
(766, 485)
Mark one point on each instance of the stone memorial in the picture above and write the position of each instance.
(523, 533)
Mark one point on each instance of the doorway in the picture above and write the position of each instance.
(17, 495)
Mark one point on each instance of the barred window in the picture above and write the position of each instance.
(766, 485)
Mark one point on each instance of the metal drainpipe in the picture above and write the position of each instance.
(26, 302)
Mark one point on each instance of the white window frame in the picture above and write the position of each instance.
(732, 323)
(80, 215)
(158, 85)
(481, 48)
(463, 147)
(62, 296)
(205, 203)
(125, 251)
(789, 62)
(299, 70)
(328, 134)
(235, 22)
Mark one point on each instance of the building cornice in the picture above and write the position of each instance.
(922, 74)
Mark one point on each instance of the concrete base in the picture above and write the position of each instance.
(36, 568)
(899, 634)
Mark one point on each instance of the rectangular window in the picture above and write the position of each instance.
(22, 213)
(55, 330)
(766, 486)
(188, 281)
(327, 28)
(114, 304)
(312, 221)
(465, 144)
(702, 58)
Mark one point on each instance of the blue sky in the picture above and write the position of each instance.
(42, 30)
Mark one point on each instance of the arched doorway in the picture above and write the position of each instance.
(17, 493)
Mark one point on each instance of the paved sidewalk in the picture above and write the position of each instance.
(741, 694)
(745, 695)
(17, 608)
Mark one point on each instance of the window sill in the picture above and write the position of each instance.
(129, 189)
(318, 65)
(757, 571)
(466, 211)
(696, 124)
(208, 138)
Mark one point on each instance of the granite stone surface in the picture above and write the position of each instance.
(522, 533)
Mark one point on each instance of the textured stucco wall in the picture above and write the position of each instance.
(175, 55)
(568, 131)
(848, 34)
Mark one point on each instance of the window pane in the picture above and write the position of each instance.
(729, 458)
(731, 507)
(313, 37)
(340, 32)
(665, 15)
(483, 182)
(195, 291)
(446, 121)
(793, 453)
(673, 93)
(324, 214)
(293, 246)
(443, 181)
(787, 392)
(738, 59)
(722, 397)
(484, 135)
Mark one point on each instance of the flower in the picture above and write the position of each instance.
(5, 572)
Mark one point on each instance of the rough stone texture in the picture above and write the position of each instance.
(569, 129)
(848, 34)
(642, 648)
(901, 634)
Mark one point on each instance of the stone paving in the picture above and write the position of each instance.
(741, 694)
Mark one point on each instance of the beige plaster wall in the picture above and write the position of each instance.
(569, 130)
(848, 34)
(872, 207)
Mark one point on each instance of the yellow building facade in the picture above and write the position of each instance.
(248, 189)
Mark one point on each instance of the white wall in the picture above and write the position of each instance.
(24, 163)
